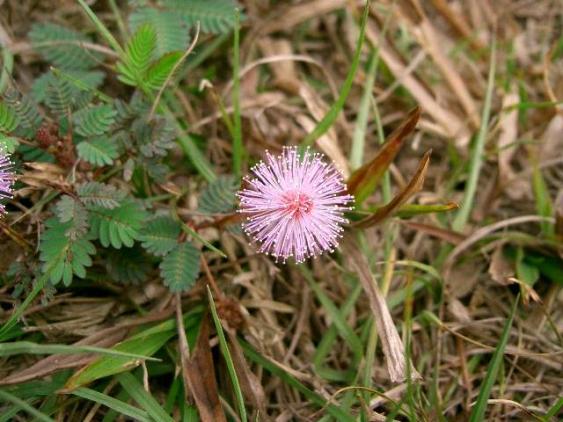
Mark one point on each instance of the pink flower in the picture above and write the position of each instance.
(294, 205)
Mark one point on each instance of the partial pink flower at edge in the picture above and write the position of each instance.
(294, 206)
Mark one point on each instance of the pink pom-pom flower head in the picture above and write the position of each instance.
(7, 178)
(294, 205)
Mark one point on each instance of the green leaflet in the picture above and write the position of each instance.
(160, 235)
(66, 257)
(94, 120)
(62, 46)
(180, 268)
(98, 151)
(118, 226)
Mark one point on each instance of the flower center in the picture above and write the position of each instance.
(297, 204)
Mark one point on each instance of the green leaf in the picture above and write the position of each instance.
(478, 411)
(96, 120)
(61, 46)
(66, 257)
(25, 109)
(172, 32)
(72, 211)
(160, 235)
(112, 403)
(22, 404)
(59, 96)
(145, 343)
(228, 358)
(528, 273)
(119, 226)
(128, 265)
(135, 389)
(88, 80)
(219, 196)
(96, 194)
(180, 268)
(8, 143)
(159, 70)
(28, 347)
(98, 151)
(138, 56)
(8, 118)
(215, 16)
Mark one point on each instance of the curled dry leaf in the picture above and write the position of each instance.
(500, 269)
(392, 345)
(200, 371)
(412, 187)
(365, 179)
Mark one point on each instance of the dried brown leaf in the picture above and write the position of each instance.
(200, 371)
(448, 235)
(500, 268)
(412, 187)
(364, 180)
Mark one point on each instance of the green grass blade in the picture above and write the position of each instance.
(22, 347)
(112, 403)
(311, 396)
(101, 28)
(478, 412)
(135, 389)
(359, 137)
(476, 160)
(327, 121)
(554, 410)
(238, 149)
(146, 342)
(228, 359)
(8, 397)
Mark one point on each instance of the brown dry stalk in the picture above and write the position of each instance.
(393, 347)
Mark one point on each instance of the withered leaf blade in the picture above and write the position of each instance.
(201, 377)
(410, 210)
(414, 185)
(365, 179)
(449, 236)
(391, 342)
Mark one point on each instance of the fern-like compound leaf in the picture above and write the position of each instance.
(63, 47)
(219, 196)
(98, 151)
(96, 194)
(70, 210)
(180, 268)
(128, 265)
(95, 120)
(158, 72)
(8, 119)
(25, 108)
(215, 16)
(139, 54)
(160, 235)
(64, 256)
(119, 226)
(59, 96)
(172, 32)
